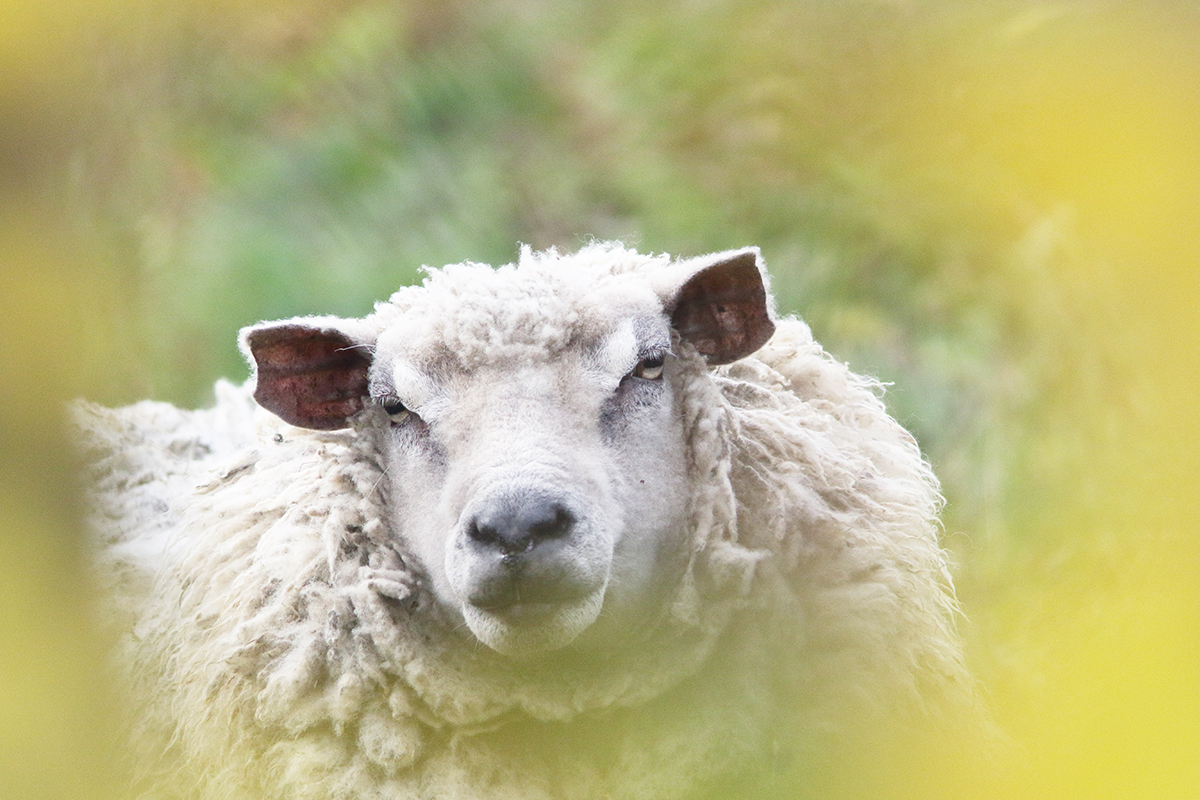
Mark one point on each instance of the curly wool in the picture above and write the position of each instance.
(288, 646)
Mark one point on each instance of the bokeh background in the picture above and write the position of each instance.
(993, 206)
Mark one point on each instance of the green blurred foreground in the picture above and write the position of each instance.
(995, 207)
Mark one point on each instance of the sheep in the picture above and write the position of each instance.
(587, 526)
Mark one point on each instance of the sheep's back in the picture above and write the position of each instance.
(139, 460)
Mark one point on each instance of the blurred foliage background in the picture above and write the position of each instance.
(993, 206)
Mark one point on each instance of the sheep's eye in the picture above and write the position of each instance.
(649, 369)
(394, 408)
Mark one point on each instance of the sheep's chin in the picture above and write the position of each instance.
(533, 628)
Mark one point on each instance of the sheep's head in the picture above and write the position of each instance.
(536, 456)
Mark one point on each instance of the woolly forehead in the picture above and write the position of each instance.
(469, 316)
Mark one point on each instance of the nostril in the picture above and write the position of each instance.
(517, 527)
(550, 523)
(483, 531)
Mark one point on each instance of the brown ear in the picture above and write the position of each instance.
(722, 306)
(309, 374)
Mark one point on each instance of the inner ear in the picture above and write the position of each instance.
(311, 376)
(722, 309)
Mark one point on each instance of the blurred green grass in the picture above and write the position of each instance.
(994, 207)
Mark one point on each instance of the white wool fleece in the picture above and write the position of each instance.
(278, 639)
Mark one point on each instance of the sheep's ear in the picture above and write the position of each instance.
(720, 304)
(308, 372)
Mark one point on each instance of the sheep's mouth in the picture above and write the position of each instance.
(549, 620)
(516, 598)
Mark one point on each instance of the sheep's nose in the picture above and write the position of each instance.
(515, 527)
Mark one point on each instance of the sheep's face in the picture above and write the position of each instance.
(534, 446)
(539, 493)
